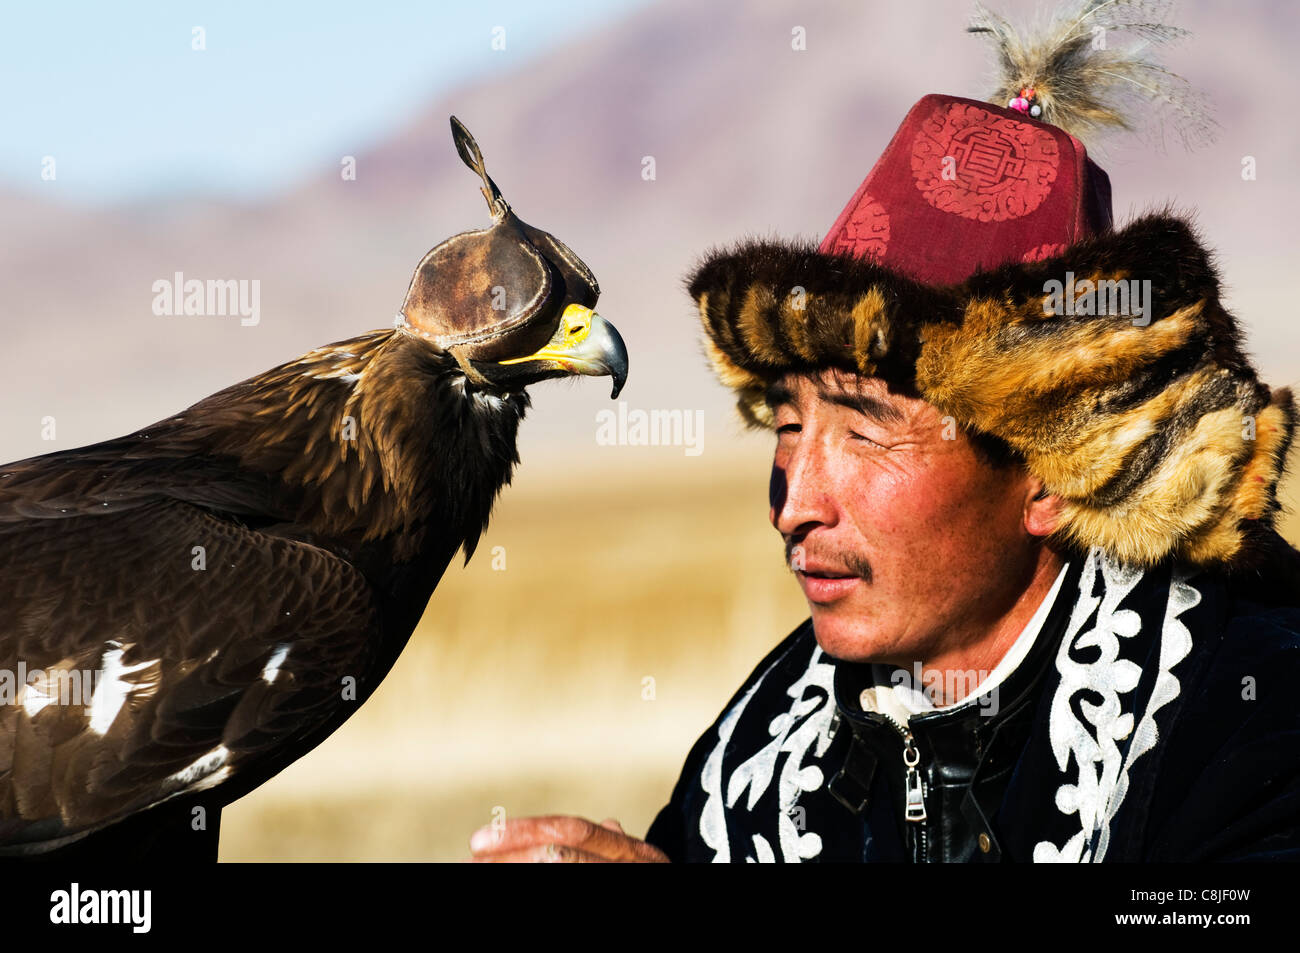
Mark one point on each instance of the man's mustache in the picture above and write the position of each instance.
(848, 563)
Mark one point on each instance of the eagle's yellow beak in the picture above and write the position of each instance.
(584, 343)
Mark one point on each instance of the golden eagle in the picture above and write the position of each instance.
(187, 610)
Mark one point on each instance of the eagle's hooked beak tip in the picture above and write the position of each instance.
(617, 358)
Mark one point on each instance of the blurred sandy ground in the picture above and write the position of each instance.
(522, 689)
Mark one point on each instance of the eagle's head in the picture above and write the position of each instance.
(512, 303)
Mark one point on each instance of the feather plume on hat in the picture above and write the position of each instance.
(1092, 69)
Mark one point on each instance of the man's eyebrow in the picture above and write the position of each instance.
(865, 404)
(779, 393)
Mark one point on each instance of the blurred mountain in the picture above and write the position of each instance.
(748, 135)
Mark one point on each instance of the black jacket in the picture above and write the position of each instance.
(1156, 718)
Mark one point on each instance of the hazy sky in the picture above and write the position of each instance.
(117, 95)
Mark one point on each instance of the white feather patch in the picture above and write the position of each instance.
(111, 689)
(274, 662)
(211, 768)
(35, 698)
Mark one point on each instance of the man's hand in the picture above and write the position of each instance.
(560, 839)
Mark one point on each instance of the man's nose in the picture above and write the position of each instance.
(799, 494)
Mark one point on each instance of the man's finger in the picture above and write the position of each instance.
(541, 854)
(525, 832)
(576, 832)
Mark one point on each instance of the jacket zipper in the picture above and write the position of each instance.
(913, 786)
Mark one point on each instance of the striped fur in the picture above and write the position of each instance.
(1160, 439)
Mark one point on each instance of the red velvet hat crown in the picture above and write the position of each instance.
(964, 185)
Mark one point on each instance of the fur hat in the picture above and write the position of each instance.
(977, 266)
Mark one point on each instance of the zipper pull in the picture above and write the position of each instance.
(915, 810)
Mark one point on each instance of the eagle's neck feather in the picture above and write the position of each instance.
(379, 438)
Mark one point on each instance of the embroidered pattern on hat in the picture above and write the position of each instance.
(1043, 252)
(866, 233)
(969, 162)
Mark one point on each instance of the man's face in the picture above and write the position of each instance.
(907, 543)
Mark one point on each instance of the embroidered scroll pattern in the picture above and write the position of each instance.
(1175, 644)
(806, 725)
(1092, 742)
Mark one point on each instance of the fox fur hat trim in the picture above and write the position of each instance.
(1153, 429)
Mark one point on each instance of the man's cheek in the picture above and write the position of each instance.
(947, 498)
(900, 506)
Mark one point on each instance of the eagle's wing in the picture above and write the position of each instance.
(163, 648)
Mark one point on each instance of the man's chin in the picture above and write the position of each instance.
(844, 635)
